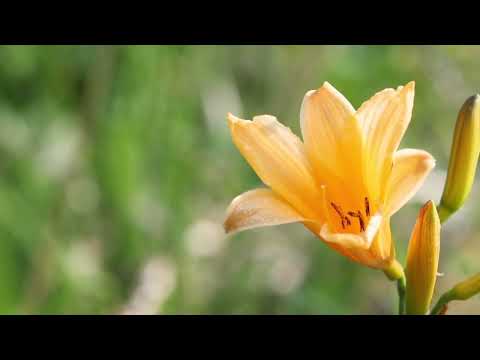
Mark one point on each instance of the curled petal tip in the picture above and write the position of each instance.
(225, 227)
(330, 89)
(326, 85)
(410, 86)
(265, 118)
(228, 227)
(309, 93)
(235, 122)
(232, 118)
(428, 162)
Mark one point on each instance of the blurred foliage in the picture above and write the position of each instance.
(117, 166)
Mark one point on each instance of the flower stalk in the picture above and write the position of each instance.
(402, 289)
(396, 273)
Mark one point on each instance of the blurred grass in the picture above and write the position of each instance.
(117, 166)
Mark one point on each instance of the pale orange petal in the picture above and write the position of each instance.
(256, 208)
(279, 159)
(373, 256)
(382, 247)
(333, 142)
(384, 119)
(349, 240)
(410, 169)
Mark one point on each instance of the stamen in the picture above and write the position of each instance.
(348, 221)
(339, 211)
(362, 222)
(367, 206)
(358, 215)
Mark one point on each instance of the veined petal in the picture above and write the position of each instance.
(333, 142)
(409, 171)
(278, 158)
(325, 110)
(384, 119)
(259, 207)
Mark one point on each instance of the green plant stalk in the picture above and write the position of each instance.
(441, 303)
(401, 288)
(396, 273)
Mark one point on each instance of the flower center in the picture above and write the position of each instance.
(346, 218)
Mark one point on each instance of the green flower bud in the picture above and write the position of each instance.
(463, 158)
(462, 291)
(466, 289)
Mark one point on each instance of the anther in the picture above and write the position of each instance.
(358, 215)
(367, 206)
(339, 211)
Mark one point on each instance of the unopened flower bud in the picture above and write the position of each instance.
(422, 260)
(463, 158)
(466, 289)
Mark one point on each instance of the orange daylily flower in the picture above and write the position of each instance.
(343, 182)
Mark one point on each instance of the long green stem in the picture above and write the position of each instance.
(396, 273)
(401, 288)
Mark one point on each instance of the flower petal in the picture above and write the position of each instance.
(278, 158)
(372, 256)
(384, 119)
(383, 248)
(259, 207)
(409, 171)
(333, 141)
(349, 240)
(323, 114)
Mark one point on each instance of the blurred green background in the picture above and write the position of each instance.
(116, 167)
